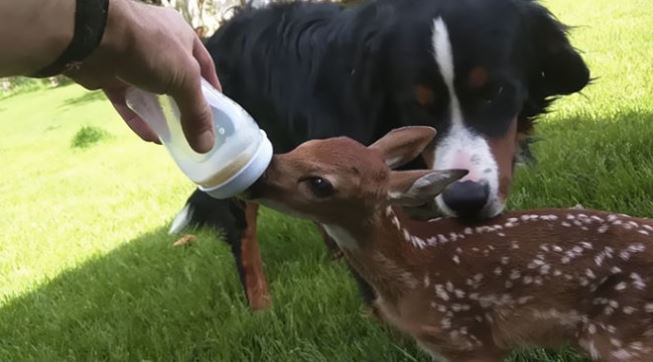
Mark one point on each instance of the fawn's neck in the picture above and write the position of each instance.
(383, 250)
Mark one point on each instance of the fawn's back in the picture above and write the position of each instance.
(540, 277)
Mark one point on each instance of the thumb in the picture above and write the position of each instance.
(196, 116)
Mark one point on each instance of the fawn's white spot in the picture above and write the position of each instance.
(591, 328)
(629, 310)
(418, 242)
(638, 282)
(598, 259)
(515, 274)
(590, 273)
(524, 300)
(441, 293)
(445, 323)
(621, 354)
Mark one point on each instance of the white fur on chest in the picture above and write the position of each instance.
(341, 236)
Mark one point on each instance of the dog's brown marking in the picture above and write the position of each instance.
(478, 77)
(424, 95)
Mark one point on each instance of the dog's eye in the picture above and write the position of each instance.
(491, 93)
(320, 187)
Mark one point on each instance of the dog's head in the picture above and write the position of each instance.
(479, 71)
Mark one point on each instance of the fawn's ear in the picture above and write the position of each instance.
(403, 145)
(415, 188)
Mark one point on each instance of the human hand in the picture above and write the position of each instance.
(152, 48)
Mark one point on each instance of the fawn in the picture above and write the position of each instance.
(472, 292)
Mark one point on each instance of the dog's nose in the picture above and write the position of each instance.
(466, 198)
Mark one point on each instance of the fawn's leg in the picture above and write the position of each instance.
(254, 281)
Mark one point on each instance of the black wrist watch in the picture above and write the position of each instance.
(90, 21)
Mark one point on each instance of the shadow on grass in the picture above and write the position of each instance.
(148, 300)
(117, 304)
(87, 97)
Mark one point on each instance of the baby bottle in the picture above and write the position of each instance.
(241, 152)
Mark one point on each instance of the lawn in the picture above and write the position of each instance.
(88, 272)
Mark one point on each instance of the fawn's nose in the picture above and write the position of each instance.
(466, 198)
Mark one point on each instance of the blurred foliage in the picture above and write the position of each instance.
(17, 85)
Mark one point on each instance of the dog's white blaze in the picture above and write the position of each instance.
(444, 60)
(461, 148)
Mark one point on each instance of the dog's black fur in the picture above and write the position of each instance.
(317, 70)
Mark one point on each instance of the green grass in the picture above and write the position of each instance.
(87, 271)
(87, 136)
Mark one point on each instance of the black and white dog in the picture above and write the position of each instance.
(479, 71)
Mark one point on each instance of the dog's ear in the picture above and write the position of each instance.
(559, 68)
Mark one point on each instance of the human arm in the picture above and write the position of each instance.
(145, 46)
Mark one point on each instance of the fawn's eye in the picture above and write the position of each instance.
(319, 187)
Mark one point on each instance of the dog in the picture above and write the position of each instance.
(479, 71)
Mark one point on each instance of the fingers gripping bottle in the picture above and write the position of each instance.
(241, 152)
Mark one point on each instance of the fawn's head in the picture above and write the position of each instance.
(333, 179)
